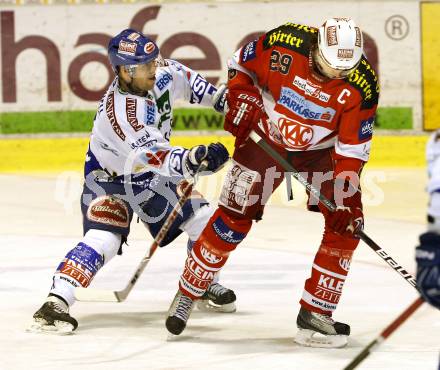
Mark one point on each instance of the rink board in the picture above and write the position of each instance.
(47, 155)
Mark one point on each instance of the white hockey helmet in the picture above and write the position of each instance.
(340, 47)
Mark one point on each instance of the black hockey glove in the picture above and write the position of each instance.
(428, 267)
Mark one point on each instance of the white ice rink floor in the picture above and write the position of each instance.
(267, 272)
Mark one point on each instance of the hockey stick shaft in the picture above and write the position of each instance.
(86, 294)
(330, 206)
(385, 334)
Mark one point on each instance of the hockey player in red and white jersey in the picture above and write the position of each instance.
(311, 93)
(131, 167)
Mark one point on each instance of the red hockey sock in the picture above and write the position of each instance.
(210, 252)
(323, 289)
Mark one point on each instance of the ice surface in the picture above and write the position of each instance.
(267, 272)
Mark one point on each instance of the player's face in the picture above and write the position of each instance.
(139, 78)
(144, 75)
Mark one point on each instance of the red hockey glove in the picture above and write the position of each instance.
(348, 219)
(245, 108)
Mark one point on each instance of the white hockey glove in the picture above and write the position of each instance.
(219, 99)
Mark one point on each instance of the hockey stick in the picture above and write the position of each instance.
(330, 206)
(385, 334)
(101, 295)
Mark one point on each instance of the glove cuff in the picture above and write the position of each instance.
(195, 156)
(219, 99)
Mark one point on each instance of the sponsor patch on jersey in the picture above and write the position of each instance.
(131, 111)
(164, 81)
(164, 108)
(366, 129)
(127, 48)
(285, 39)
(365, 79)
(198, 89)
(297, 134)
(225, 233)
(311, 89)
(110, 110)
(150, 112)
(144, 141)
(249, 51)
(299, 105)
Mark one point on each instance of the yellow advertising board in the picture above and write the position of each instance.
(430, 15)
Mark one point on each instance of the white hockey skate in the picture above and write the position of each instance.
(53, 318)
(179, 313)
(317, 330)
(217, 299)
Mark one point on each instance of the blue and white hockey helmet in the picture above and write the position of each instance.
(131, 47)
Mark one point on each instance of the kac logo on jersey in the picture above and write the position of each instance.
(366, 129)
(344, 263)
(164, 81)
(304, 108)
(249, 51)
(295, 133)
(198, 88)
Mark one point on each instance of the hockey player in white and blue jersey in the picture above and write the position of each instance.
(428, 252)
(131, 168)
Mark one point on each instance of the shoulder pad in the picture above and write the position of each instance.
(364, 79)
(292, 36)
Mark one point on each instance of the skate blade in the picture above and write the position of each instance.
(206, 305)
(59, 328)
(310, 338)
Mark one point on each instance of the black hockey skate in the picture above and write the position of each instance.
(178, 313)
(317, 330)
(53, 317)
(217, 299)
